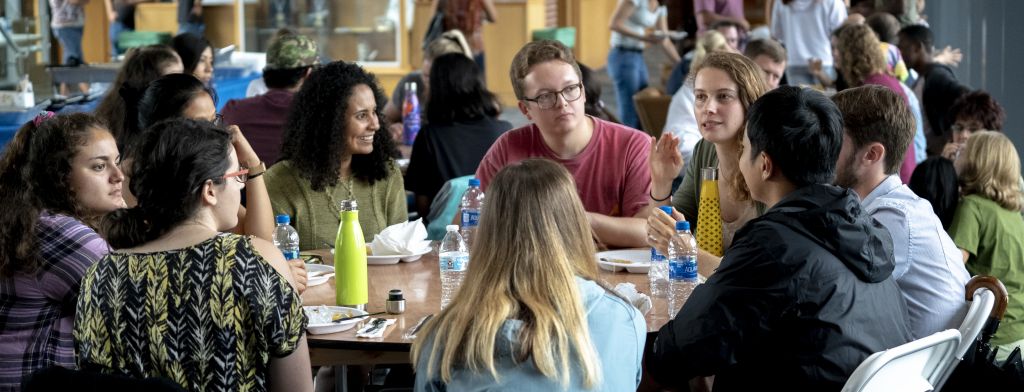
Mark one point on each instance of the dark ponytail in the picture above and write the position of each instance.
(171, 162)
(34, 177)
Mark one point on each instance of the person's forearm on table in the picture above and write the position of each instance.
(622, 232)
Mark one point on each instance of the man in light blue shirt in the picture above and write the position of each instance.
(877, 128)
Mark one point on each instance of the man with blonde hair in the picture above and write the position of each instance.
(607, 160)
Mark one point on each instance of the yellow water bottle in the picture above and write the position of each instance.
(350, 281)
(709, 213)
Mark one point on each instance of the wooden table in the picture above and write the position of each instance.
(420, 282)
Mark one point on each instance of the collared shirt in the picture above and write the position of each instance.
(929, 268)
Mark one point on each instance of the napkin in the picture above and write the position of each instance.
(407, 238)
(373, 329)
(638, 299)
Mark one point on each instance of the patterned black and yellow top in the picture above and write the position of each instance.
(208, 316)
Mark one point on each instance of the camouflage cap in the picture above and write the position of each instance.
(291, 51)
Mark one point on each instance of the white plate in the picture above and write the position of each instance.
(636, 261)
(378, 260)
(319, 329)
(325, 273)
(415, 256)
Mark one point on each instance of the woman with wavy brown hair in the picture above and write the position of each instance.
(58, 177)
(530, 314)
(725, 85)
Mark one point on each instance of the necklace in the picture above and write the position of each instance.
(334, 203)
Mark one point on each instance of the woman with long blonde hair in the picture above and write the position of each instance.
(530, 314)
(987, 225)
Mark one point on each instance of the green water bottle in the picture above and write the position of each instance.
(350, 282)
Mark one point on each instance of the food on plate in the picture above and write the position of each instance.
(323, 315)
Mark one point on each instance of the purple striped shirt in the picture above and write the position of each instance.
(37, 311)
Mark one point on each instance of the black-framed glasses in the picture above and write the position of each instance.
(240, 176)
(549, 100)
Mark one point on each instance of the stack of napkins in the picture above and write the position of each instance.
(638, 299)
(408, 238)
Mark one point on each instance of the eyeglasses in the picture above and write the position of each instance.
(549, 100)
(967, 127)
(240, 176)
(218, 120)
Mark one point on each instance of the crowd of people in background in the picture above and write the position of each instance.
(860, 186)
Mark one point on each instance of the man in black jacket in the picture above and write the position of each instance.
(805, 292)
(936, 87)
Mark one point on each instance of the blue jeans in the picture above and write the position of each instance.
(479, 59)
(190, 27)
(116, 28)
(629, 75)
(71, 41)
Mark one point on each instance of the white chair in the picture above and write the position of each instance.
(909, 367)
(988, 297)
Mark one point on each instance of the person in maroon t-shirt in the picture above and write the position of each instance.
(607, 160)
(290, 59)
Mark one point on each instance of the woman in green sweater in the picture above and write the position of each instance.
(335, 148)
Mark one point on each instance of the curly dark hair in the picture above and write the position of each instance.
(173, 160)
(141, 66)
(34, 178)
(979, 105)
(314, 139)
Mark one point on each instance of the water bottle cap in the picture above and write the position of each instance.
(283, 219)
(451, 228)
(667, 209)
(395, 295)
(682, 225)
(474, 182)
(348, 205)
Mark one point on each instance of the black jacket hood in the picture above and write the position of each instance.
(832, 217)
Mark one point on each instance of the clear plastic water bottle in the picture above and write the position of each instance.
(453, 257)
(286, 238)
(658, 272)
(410, 114)
(682, 262)
(471, 206)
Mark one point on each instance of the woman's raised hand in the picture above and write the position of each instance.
(665, 161)
(246, 155)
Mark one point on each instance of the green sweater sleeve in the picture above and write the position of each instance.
(397, 208)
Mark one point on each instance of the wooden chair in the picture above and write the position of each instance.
(652, 109)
